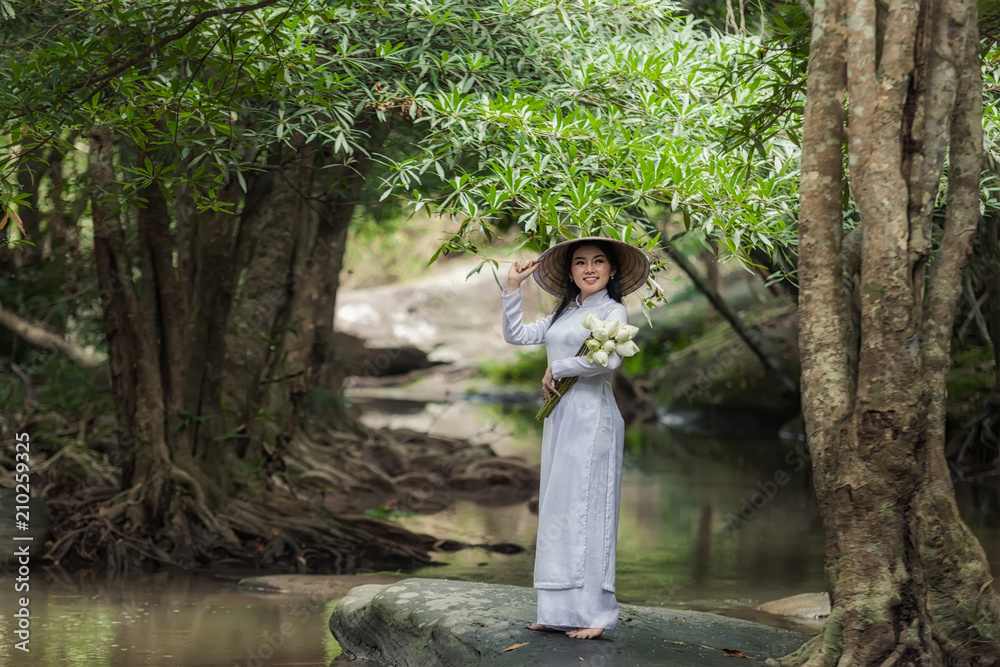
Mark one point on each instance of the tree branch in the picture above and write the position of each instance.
(192, 24)
(962, 216)
(823, 314)
(723, 308)
(36, 334)
(861, 76)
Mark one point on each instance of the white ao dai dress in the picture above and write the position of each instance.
(580, 486)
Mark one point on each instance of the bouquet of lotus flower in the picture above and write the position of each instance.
(605, 337)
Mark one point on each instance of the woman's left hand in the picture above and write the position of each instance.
(548, 384)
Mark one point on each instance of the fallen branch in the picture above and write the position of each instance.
(39, 336)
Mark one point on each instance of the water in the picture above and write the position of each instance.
(711, 524)
(704, 524)
(165, 619)
(707, 524)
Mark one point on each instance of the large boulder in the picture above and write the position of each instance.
(422, 622)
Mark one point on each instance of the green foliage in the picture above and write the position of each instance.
(528, 369)
(385, 512)
(57, 385)
(633, 123)
(654, 354)
(203, 90)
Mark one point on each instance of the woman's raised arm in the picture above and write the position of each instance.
(515, 331)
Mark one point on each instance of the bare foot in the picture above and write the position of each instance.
(585, 633)
(540, 627)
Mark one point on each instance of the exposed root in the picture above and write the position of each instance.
(274, 532)
(306, 520)
(894, 657)
(917, 646)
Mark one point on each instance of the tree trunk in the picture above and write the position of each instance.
(186, 497)
(910, 585)
(281, 331)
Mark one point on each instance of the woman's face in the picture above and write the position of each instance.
(591, 270)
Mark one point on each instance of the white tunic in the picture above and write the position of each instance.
(580, 484)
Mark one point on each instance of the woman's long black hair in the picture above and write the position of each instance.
(572, 291)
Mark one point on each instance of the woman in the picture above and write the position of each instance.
(583, 437)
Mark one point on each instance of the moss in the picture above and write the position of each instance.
(718, 368)
(833, 637)
(803, 654)
(872, 615)
(877, 397)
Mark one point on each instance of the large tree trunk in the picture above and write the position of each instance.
(281, 330)
(204, 416)
(910, 584)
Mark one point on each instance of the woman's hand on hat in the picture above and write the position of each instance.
(519, 270)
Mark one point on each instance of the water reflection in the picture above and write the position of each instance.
(166, 619)
(718, 525)
(712, 525)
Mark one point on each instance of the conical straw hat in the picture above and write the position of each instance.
(633, 266)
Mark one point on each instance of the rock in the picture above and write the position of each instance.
(717, 385)
(806, 605)
(326, 587)
(361, 360)
(634, 399)
(420, 622)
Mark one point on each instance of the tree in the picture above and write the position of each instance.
(226, 148)
(909, 582)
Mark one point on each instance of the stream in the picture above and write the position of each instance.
(709, 524)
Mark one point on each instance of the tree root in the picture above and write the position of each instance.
(831, 649)
(279, 533)
(285, 522)
(306, 518)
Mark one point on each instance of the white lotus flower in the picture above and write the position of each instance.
(601, 334)
(627, 349)
(600, 357)
(612, 328)
(626, 333)
(593, 345)
(591, 322)
(609, 345)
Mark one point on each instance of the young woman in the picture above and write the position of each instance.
(583, 437)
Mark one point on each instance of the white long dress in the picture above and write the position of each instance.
(581, 465)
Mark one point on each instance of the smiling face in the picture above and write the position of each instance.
(590, 269)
